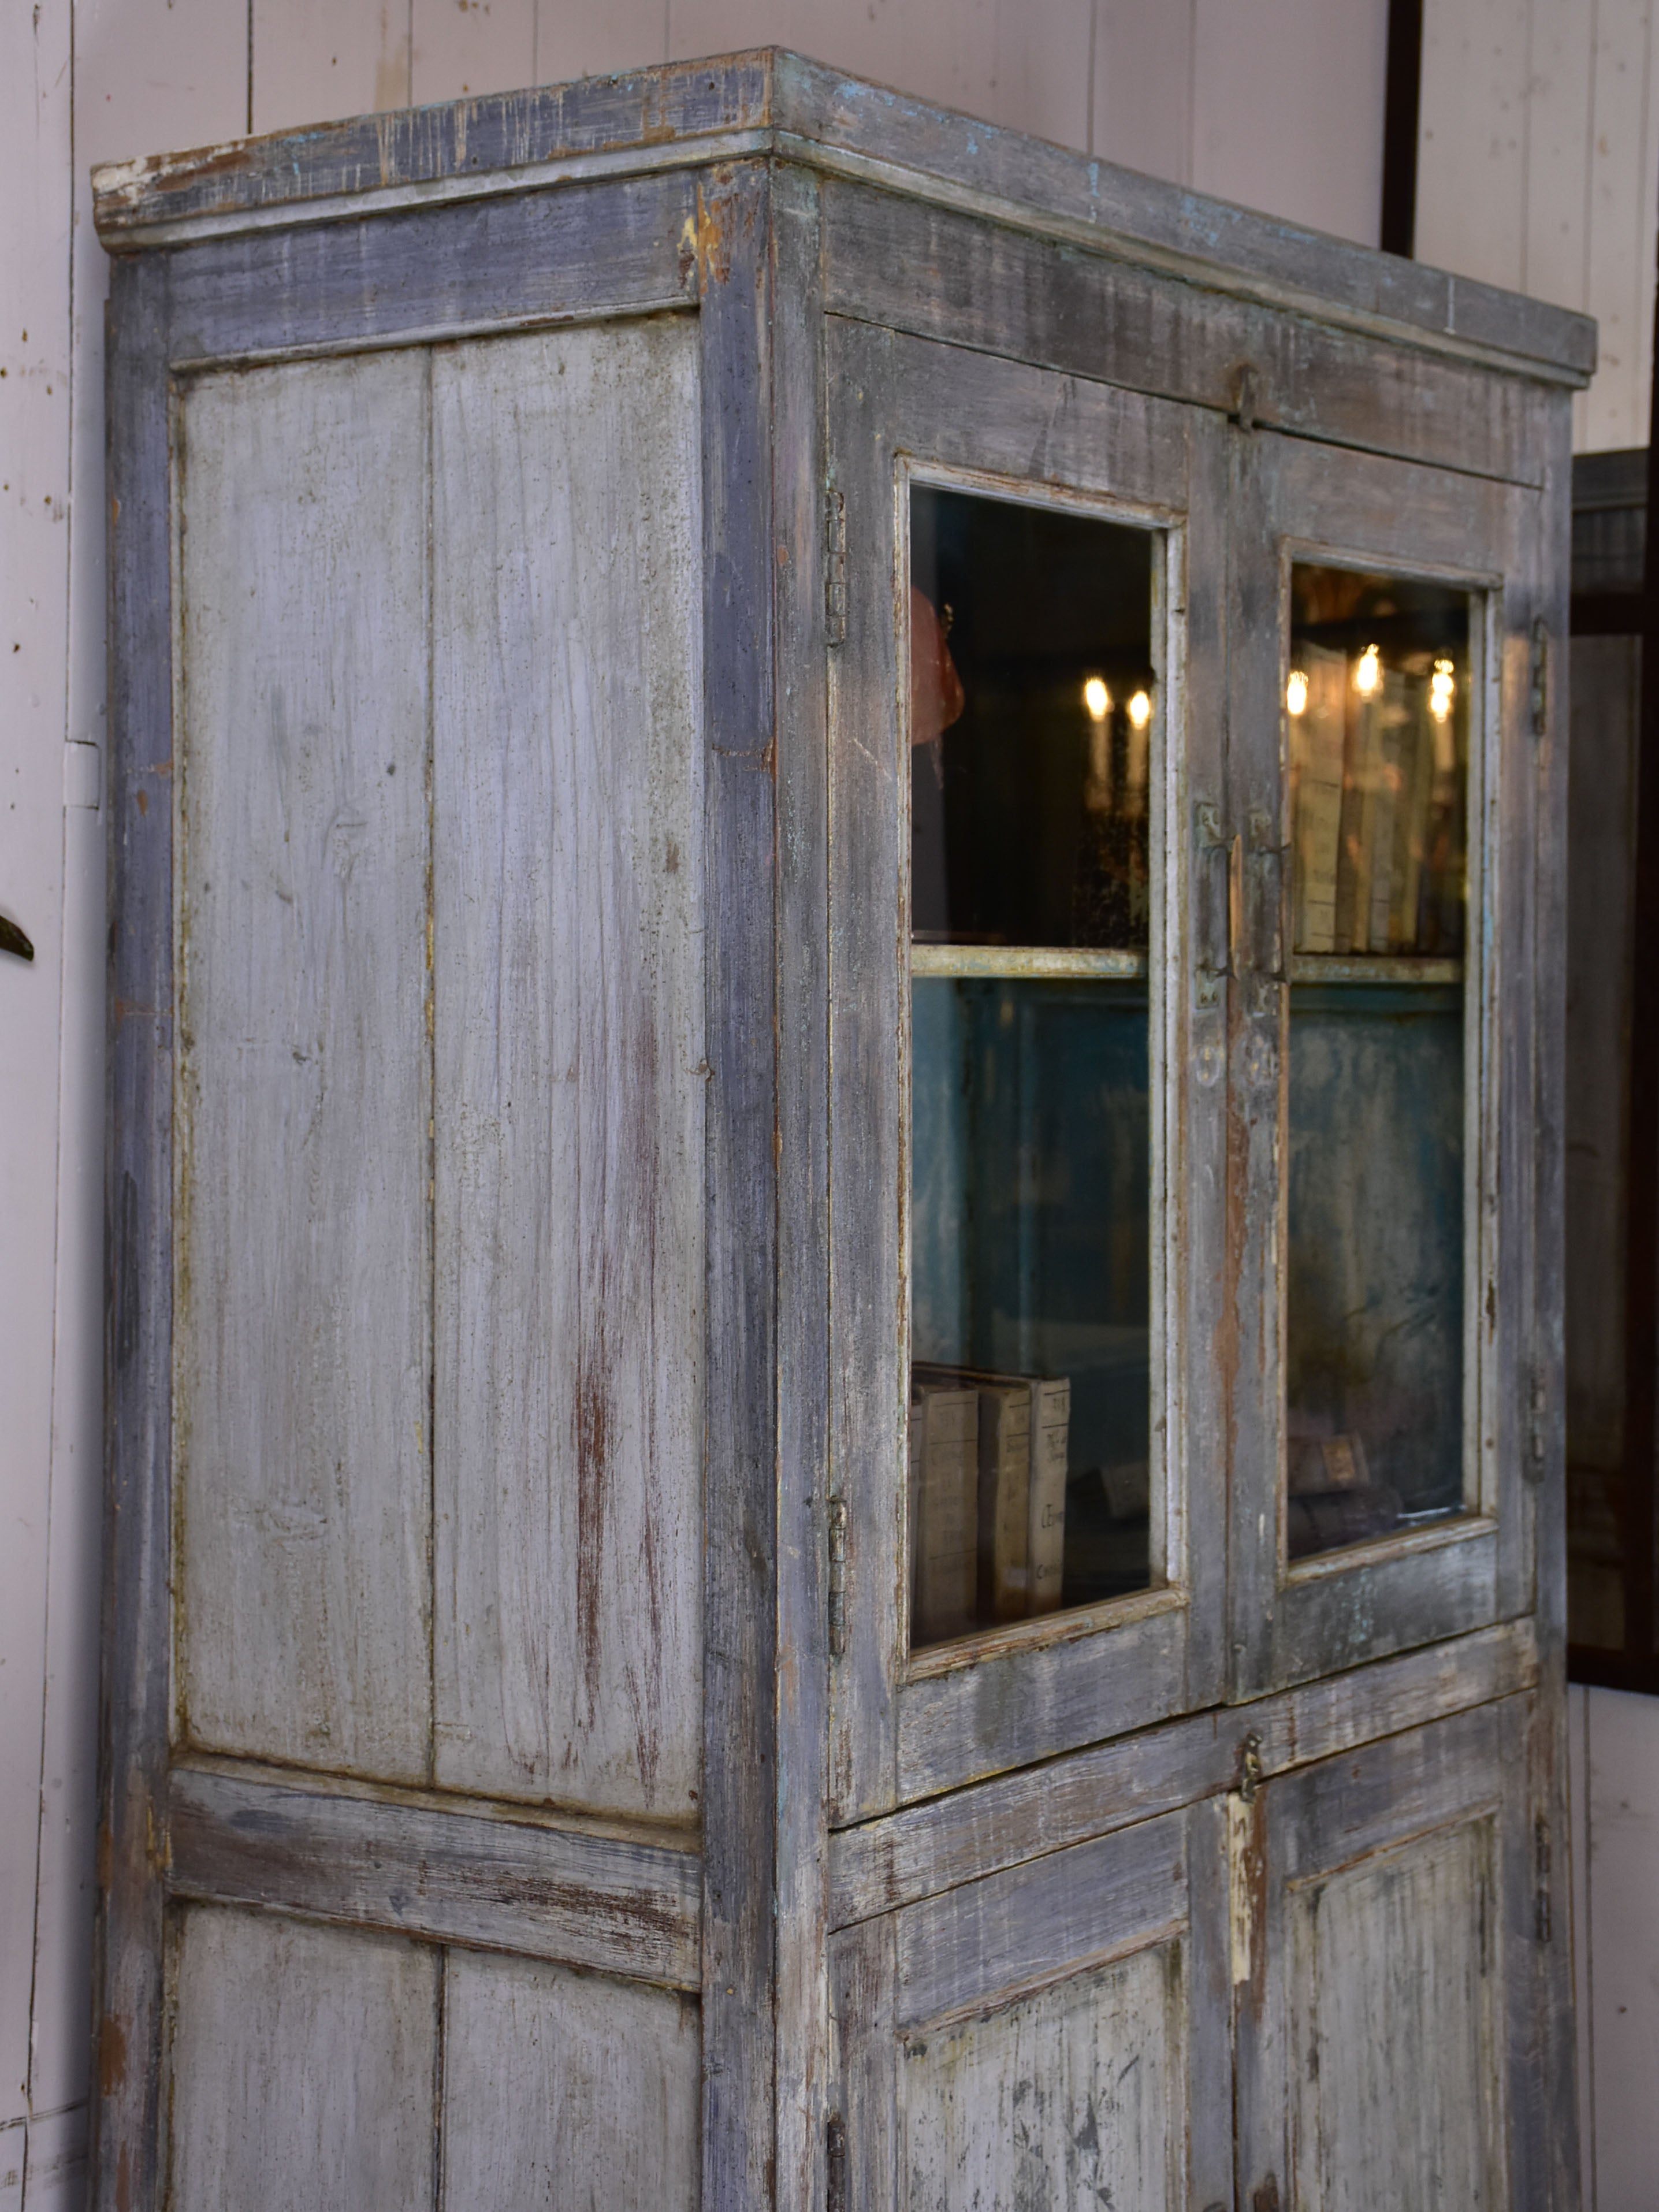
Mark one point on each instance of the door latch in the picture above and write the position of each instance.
(837, 1577)
(1211, 902)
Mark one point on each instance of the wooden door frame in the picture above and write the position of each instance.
(1290, 1621)
(907, 408)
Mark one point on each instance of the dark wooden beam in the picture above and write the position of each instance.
(1402, 97)
(1642, 1171)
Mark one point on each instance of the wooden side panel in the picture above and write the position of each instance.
(1397, 2027)
(1074, 2095)
(303, 2066)
(570, 1084)
(301, 1365)
(563, 2088)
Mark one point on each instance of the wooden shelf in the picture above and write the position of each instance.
(1028, 963)
(1372, 968)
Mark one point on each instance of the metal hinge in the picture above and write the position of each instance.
(1542, 1857)
(1537, 1407)
(834, 567)
(834, 2162)
(837, 1577)
(1540, 677)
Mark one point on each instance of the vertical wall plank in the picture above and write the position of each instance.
(314, 59)
(303, 2066)
(302, 1308)
(1623, 1800)
(1620, 284)
(740, 1622)
(34, 450)
(1143, 87)
(459, 48)
(563, 2088)
(1582, 1977)
(1558, 123)
(1471, 186)
(571, 1090)
(146, 73)
(1023, 63)
(1287, 109)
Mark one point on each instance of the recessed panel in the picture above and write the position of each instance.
(303, 2065)
(570, 1082)
(1398, 2030)
(1073, 2096)
(565, 2088)
(302, 1306)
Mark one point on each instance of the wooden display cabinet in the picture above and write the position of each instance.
(836, 1182)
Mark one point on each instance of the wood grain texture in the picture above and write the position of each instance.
(591, 249)
(568, 914)
(1042, 302)
(802, 846)
(740, 1650)
(303, 1287)
(128, 1994)
(926, 1849)
(565, 2088)
(1021, 1928)
(450, 1872)
(303, 2065)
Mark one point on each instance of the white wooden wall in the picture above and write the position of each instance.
(1539, 169)
(1541, 153)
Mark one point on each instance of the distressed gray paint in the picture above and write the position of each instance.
(568, 917)
(303, 1381)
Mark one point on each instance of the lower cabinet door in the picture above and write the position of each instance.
(1055, 2034)
(1386, 1925)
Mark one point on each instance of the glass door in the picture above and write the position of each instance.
(1379, 738)
(1027, 1065)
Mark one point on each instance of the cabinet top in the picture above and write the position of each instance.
(773, 103)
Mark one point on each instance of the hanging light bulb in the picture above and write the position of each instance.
(1296, 692)
(1442, 684)
(1097, 698)
(1140, 711)
(1369, 673)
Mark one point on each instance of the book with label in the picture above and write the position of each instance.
(1023, 1438)
(943, 1484)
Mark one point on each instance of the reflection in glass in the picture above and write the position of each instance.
(1376, 712)
(1032, 714)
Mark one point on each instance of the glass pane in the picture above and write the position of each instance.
(1033, 715)
(1377, 707)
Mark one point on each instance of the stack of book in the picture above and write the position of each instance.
(1332, 1499)
(988, 1469)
